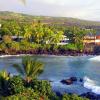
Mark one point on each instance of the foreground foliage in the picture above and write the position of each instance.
(27, 87)
(18, 89)
(30, 68)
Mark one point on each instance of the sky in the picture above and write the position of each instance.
(82, 9)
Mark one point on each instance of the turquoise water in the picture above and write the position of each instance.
(61, 67)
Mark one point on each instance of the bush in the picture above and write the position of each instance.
(25, 45)
(2, 46)
(27, 94)
(63, 48)
(53, 47)
(72, 97)
(15, 85)
(35, 46)
(68, 47)
(45, 47)
(80, 46)
(71, 46)
(4, 77)
(15, 45)
(41, 86)
(7, 39)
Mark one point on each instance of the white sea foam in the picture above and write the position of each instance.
(4, 56)
(96, 58)
(90, 84)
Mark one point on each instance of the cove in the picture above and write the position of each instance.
(62, 67)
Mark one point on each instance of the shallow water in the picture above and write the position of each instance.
(63, 67)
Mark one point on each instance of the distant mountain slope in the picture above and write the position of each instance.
(5, 15)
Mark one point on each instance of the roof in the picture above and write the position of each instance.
(14, 37)
(98, 33)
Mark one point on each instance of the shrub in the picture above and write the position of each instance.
(80, 46)
(7, 39)
(25, 45)
(15, 85)
(72, 97)
(2, 46)
(45, 47)
(63, 47)
(71, 46)
(35, 46)
(41, 86)
(3, 83)
(15, 45)
(54, 47)
(27, 94)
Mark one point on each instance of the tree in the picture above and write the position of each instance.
(7, 39)
(4, 77)
(27, 32)
(38, 32)
(57, 37)
(5, 29)
(30, 68)
(76, 36)
(15, 28)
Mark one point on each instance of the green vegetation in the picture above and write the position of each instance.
(37, 37)
(72, 97)
(18, 88)
(8, 16)
(41, 35)
(29, 69)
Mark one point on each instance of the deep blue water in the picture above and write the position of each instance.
(61, 67)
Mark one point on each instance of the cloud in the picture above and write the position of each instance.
(23, 1)
(83, 9)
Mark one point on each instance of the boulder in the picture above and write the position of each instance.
(67, 81)
(81, 80)
(73, 78)
(91, 96)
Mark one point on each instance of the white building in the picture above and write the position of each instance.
(0, 25)
(64, 40)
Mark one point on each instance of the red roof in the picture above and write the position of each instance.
(97, 37)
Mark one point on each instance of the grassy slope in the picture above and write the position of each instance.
(5, 15)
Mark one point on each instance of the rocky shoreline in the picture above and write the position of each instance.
(44, 52)
(71, 80)
(91, 96)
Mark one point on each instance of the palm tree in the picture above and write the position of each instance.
(27, 32)
(38, 33)
(30, 68)
(4, 77)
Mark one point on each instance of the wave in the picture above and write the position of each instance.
(96, 58)
(90, 84)
(3, 56)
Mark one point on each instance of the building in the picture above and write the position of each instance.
(14, 38)
(0, 25)
(92, 39)
(17, 38)
(64, 40)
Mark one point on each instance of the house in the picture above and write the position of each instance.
(64, 40)
(14, 38)
(92, 39)
(0, 25)
(17, 38)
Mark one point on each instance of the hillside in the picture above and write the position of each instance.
(5, 15)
